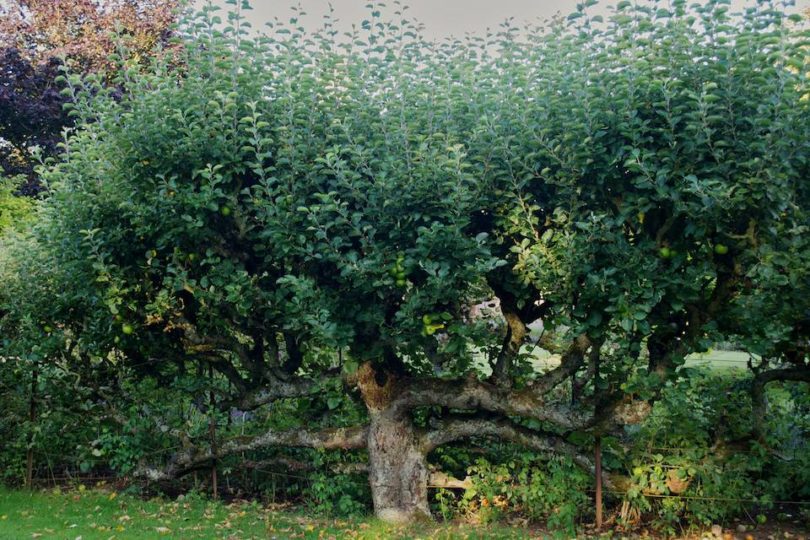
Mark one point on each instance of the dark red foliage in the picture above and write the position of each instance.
(31, 113)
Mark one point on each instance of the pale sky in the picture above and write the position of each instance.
(441, 18)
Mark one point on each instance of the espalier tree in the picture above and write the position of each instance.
(306, 210)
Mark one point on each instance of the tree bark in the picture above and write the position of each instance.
(212, 432)
(598, 497)
(398, 472)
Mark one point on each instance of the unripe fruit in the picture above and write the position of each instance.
(225, 211)
(427, 319)
(720, 249)
(127, 329)
(401, 282)
(432, 328)
(665, 252)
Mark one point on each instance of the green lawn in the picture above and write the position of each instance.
(105, 515)
(713, 359)
(719, 359)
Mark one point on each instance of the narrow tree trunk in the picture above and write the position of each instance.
(398, 471)
(32, 416)
(598, 467)
(212, 431)
(759, 407)
(598, 442)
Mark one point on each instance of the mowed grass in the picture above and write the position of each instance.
(105, 514)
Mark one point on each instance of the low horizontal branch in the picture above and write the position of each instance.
(192, 458)
(453, 429)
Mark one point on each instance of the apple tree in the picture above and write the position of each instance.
(304, 211)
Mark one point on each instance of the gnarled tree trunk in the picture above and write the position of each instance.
(398, 471)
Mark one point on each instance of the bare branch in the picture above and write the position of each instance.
(572, 360)
(472, 394)
(276, 389)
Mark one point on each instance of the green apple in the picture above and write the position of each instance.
(720, 249)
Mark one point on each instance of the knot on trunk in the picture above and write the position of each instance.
(378, 388)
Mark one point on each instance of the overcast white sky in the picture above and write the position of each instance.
(441, 17)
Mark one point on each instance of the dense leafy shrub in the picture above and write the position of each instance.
(13, 209)
(691, 463)
(694, 462)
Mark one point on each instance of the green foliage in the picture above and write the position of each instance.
(338, 494)
(692, 460)
(513, 483)
(554, 490)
